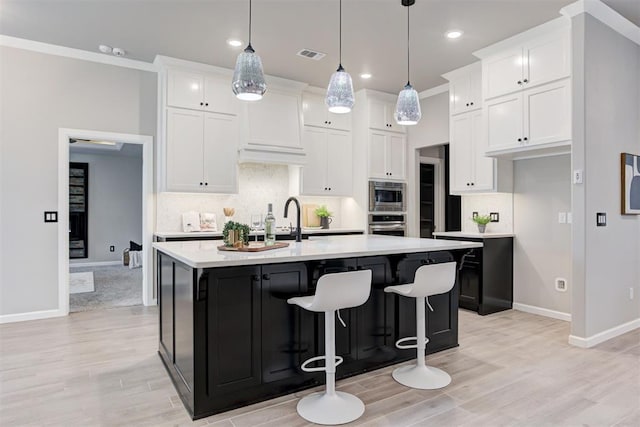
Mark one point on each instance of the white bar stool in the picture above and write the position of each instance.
(333, 292)
(432, 279)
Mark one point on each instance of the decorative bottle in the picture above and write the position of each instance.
(270, 227)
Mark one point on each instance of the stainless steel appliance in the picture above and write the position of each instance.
(387, 196)
(388, 224)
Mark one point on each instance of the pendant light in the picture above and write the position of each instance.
(340, 97)
(248, 78)
(408, 106)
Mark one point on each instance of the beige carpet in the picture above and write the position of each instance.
(115, 286)
(81, 282)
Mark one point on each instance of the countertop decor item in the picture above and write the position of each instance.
(191, 221)
(236, 234)
(228, 214)
(325, 216)
(482, 221)
(254, 247)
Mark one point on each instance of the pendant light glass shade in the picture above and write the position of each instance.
(248, 78)
(408, 106)
(340, 97)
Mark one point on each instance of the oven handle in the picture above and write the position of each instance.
(387, 227)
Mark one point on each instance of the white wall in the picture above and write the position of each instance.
(115, 203)
(605, 123)
(40, 94)
(259, 185)
(542, 247)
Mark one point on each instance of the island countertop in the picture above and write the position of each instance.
(204, 254)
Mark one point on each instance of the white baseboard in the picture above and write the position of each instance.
(542, 311)
(33, 315)
(94, 264)
(604, 335)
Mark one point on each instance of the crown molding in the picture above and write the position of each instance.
(68, 52)
(606, 15)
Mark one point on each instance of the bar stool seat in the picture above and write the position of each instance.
(334, 291)
(431, 279)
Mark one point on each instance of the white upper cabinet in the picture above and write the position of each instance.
(275, 121)
(328, 171)
(316, 113)
(381, 116)
(196, 91)
(542, 60)
(465, 88)
(387, 155)
(504, 125)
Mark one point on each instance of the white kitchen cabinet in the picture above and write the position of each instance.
(470, 170)
(328, 171)
(387, 155)
(274, 122)
(465, 88)
(537, 116)
(192, 90)
(201, 152)
(316, 113)
(381, 116)
(539, 61)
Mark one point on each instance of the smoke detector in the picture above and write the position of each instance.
(115, 51)
(311, 54)
(118, 52)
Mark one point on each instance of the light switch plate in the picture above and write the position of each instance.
(562, 217)
(577, 176)
(601, 219)
(569, 217)
(50, 216)
(474, 215)
(495, 216)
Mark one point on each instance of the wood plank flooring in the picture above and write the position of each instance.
(100, 368)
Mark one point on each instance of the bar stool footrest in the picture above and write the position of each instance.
(400, 343)
(304, 367)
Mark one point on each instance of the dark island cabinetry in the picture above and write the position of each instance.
(228, 337)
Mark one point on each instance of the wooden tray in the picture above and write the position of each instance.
(253, 247)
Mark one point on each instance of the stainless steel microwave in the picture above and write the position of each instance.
(387, 196)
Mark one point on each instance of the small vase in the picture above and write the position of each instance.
(324, 222)
(482, 228)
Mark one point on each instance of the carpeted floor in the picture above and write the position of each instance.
(115, 286)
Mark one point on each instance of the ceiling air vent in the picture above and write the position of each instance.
(311, 54)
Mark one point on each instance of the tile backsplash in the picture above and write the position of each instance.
(258, 185)
(484, 204)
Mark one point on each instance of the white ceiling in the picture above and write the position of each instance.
(374, 32)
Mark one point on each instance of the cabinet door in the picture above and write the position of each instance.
(339, 121)
(460, 94)
(396, 148)
(475, 87)
(339, 163)
(547, 59)
(390, 114)
(502, 73)
(183, 303)
(377, 155)
(547, 113)
(275, 121)
(185, 133)
(461, 162)
(289, 338)
(234, 325)
(218, 96)
(314, 172)
(220, 153)
(314, 110)
(483, 167)
(185, 89)
(504, 122)
(378, 115)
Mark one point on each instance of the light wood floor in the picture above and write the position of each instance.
(512, 368)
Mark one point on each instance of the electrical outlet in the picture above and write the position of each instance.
(112, 248)
(569, 217)
(495, 216)
(630, 293)
(561, 284)
(562, 217)
(474, 215)
(577, 176)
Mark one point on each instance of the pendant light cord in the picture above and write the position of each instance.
(340, 33)
(249, 22)
(408, 46)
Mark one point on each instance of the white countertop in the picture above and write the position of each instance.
(307, 231)
(204, 253)
(472, 234)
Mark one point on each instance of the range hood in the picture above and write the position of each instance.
(271, 155)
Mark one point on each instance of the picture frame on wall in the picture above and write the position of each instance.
(630, 184)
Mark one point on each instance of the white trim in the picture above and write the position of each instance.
(434, 91)
(33, 315)
(604, 335)
(606, 15)
(542, 311)
(69, 52)
(94, 264)
(148, 208)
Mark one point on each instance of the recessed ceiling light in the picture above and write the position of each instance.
(365, 76)
(454, 34)
(105, 49)
(234, 42)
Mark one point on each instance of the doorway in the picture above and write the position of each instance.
(100, 266)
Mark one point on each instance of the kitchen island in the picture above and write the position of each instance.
(228, 338)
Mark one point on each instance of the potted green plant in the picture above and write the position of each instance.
(235, 234)
(482, 221)
(325, 216)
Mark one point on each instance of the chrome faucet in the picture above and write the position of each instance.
(286, 210)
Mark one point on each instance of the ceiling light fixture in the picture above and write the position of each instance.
(248, 78)
(408, 105)
(105, 48)
(454, 34)
(340, 97)
(365, 76)
(234, 43)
